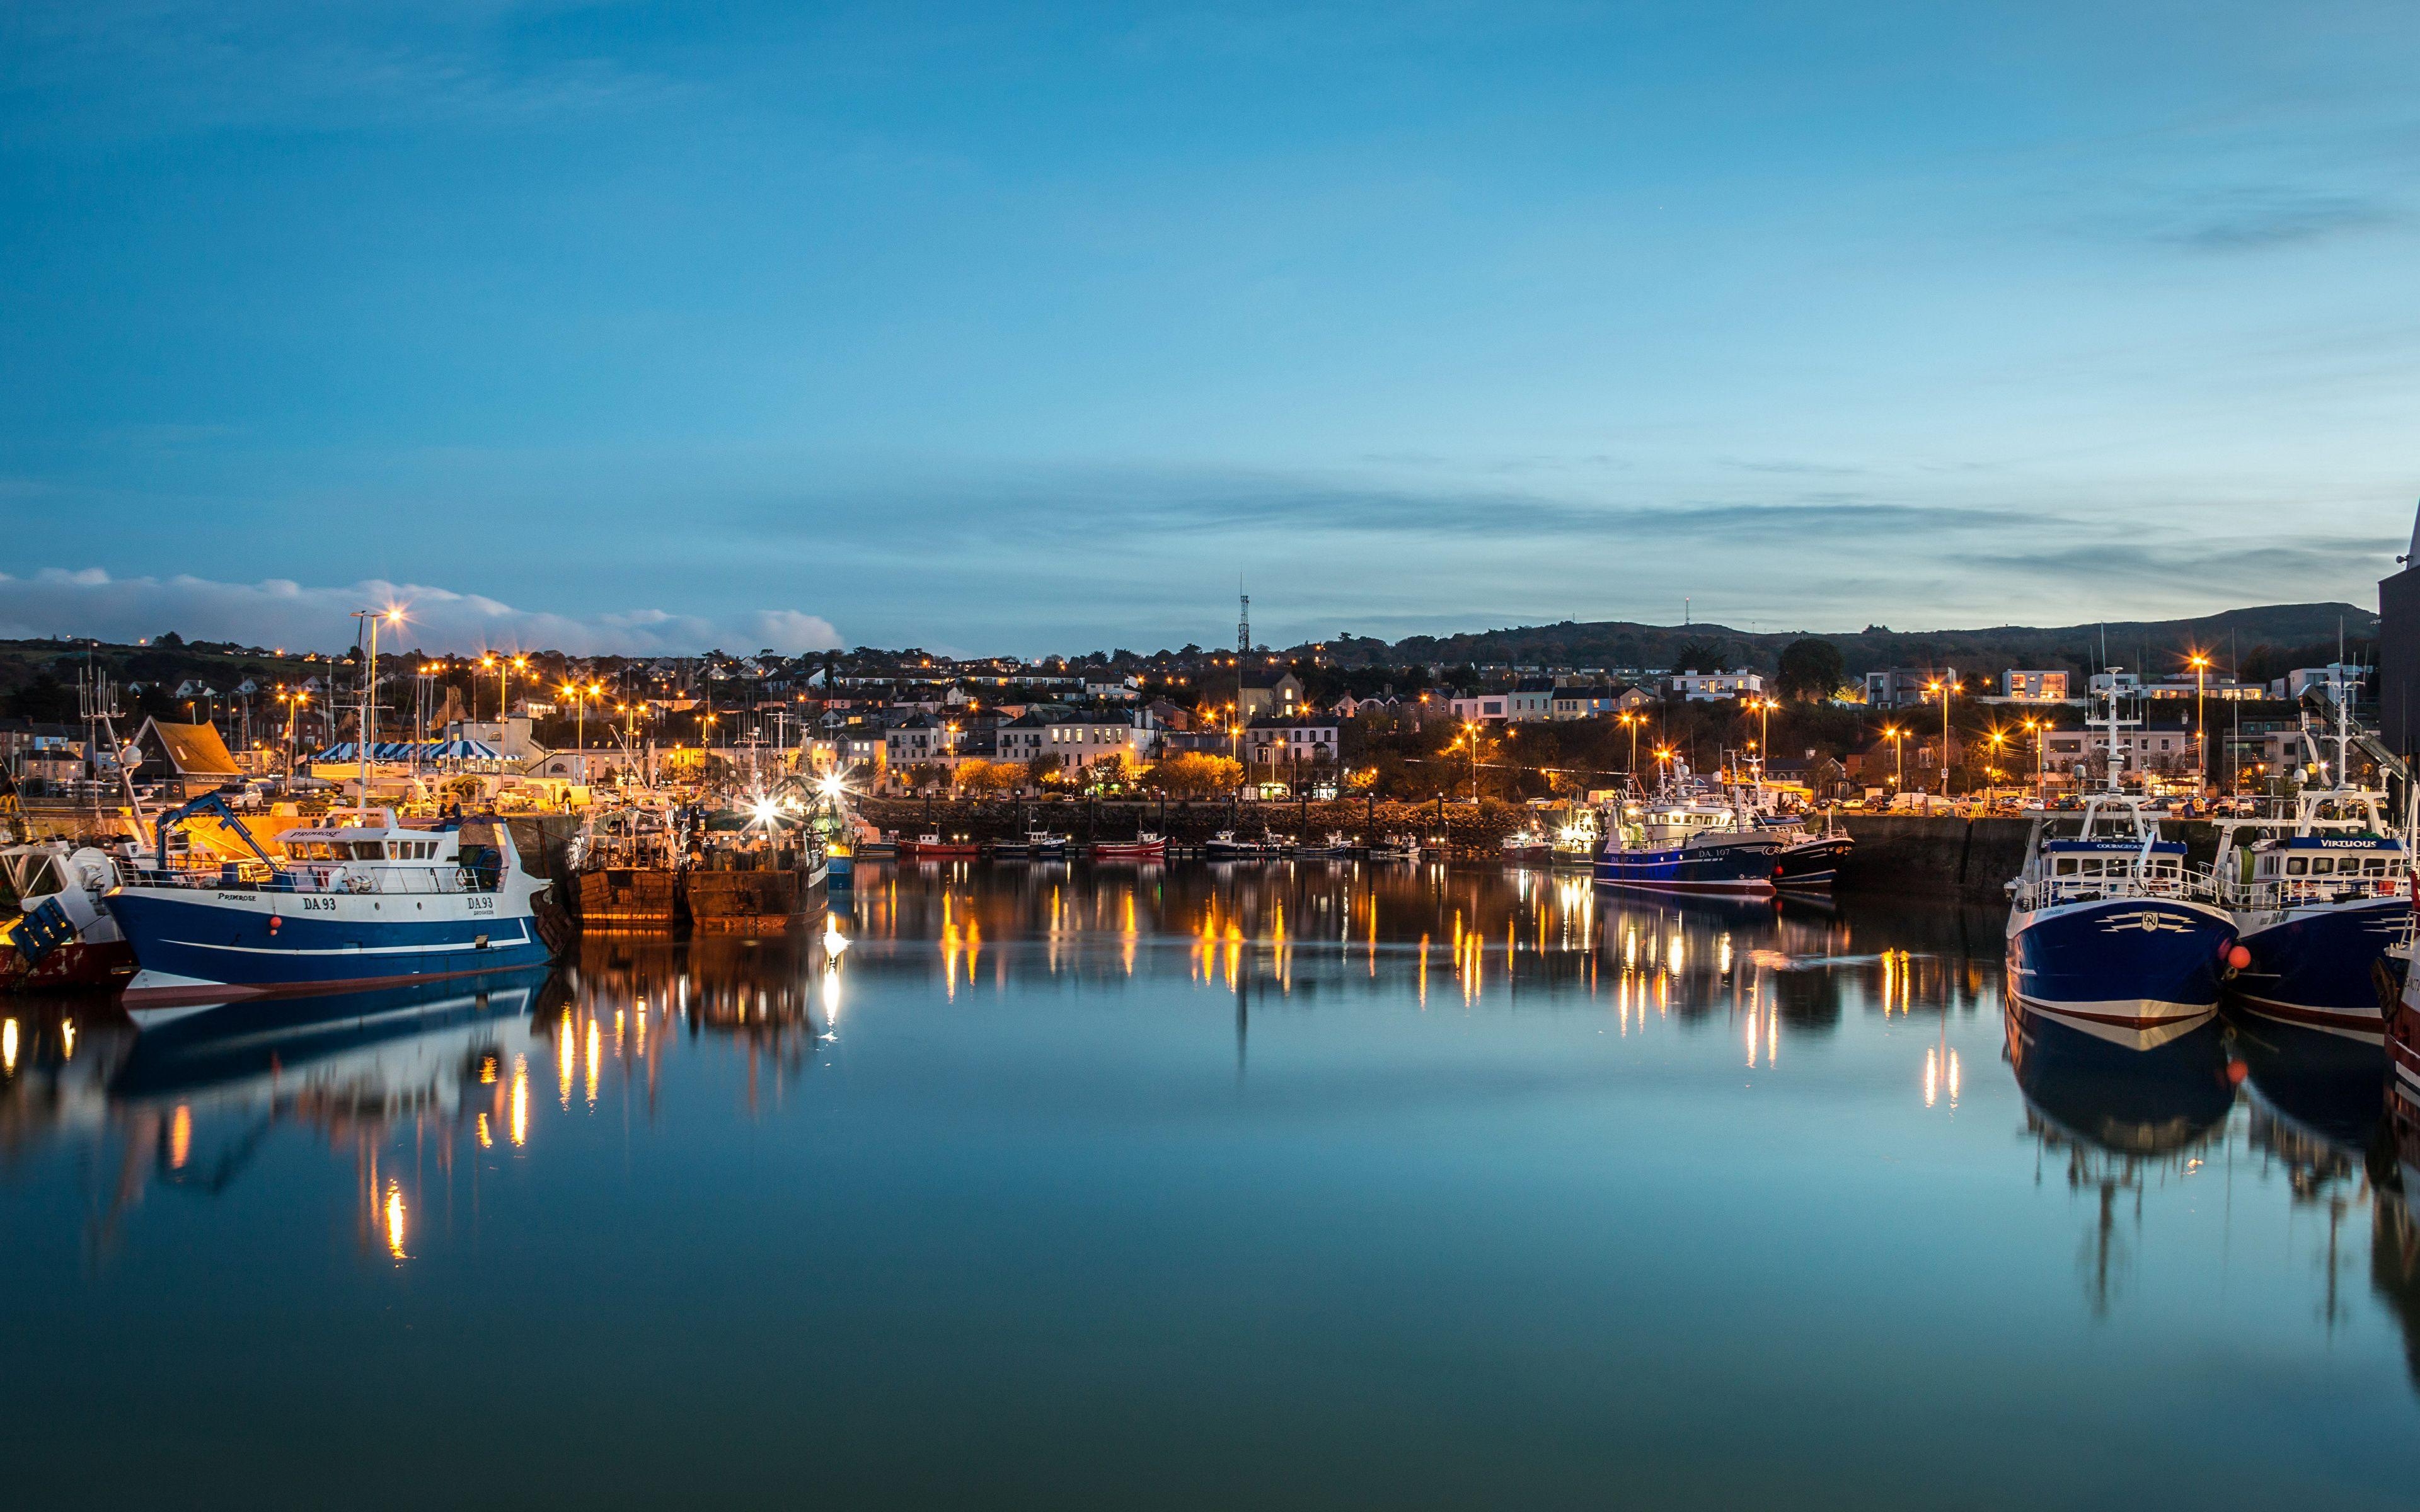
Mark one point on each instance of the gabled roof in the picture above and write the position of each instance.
(191, 750)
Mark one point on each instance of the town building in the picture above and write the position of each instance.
(1265, 693)
(2033, 686)
(1713, 687)
(1595, 701)
(183, 761)
(1290, 742)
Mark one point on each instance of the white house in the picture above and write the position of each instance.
(1713, 687)
(1302, 740)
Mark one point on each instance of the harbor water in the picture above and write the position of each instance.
(1284, 1184)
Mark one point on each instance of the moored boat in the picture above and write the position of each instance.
(1227, 845)
(1685, 845)
(2317, 898)
(932, 847)
(1528, 846)
(62, 935)
(358, 903)
(2110, 932)
(1145, 846)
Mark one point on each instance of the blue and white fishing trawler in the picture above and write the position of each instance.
(2317, 898)
(1678, 845)
(362, 904)
(2108, 928)
(356, 904)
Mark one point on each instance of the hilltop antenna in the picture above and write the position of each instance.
(1243, 624)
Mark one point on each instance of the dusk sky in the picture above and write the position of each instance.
(998, 327)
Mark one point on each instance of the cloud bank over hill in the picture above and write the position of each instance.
(278, 612)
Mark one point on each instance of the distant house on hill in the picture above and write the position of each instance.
(185, 759)
(1269, 693)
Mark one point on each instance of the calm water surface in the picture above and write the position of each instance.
(1292, 1186)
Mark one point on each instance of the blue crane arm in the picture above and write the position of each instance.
(207, 803)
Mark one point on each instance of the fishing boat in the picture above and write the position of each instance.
(932, 847)
(1145, 846)
(62, 936)
(1686, 844)
(355, 904)
(2403, 1028)
(1808, 858)
(1396, 848)
(2317, 898)
(2109, 931)
(1577, 842)
(626, 870)
(1227, 845)
(1335, 846)
(1528, 846)
(769, 884)
(1035, 845)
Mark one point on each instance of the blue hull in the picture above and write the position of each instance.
(200, 941)
(2125, 963)
(2315, 968)
(1724, 869)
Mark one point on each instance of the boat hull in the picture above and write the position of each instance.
(2138, 970)
(1739, 871)
(754, 903)
(2314, 967)
(78, 963)
(191, 939)
(636, 898)
(1121, 851)
(1813, 863)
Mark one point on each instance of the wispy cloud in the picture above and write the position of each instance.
(2253, 220)
(278, 612)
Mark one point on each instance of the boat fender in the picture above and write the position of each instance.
(2238, 958)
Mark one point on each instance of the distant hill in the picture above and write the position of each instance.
(2152, 645)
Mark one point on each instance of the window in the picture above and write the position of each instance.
(2296, 866)
(2323, 865)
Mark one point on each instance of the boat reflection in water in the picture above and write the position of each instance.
(2395, 1237)
(2119, 1114)
(189, 1104)
(777, 997)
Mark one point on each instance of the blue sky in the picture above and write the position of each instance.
(1023, 329)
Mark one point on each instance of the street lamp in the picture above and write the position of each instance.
(2200, 665)
(1899, 757)
(1947, 687)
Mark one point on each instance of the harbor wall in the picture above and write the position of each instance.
(1923, 855)
(1934, 856)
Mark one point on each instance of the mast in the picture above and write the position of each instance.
(2112, 780)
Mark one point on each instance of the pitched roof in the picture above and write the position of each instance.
(194, 749)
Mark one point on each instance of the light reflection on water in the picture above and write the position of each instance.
(1302, 1183)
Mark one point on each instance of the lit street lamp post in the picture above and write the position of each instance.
(2200, 665)
(1945, 686)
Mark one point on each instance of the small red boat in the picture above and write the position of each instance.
(934, 848)
(1143, 847)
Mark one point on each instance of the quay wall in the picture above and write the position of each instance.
(1970, 859)
(1901, 855)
